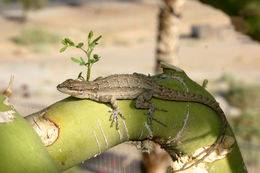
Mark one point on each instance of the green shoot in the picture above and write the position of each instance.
(88, 51)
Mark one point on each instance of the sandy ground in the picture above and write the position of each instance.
(127, 46)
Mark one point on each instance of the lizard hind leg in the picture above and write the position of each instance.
(143, 102)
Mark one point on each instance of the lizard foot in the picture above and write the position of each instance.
(151, 117)
(114, 117)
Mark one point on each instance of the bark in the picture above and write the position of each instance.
(168, 33)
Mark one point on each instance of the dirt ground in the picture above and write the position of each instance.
(128, 45)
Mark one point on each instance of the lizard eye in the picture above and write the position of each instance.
(70, 87)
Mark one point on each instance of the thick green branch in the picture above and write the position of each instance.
(76, 129)
(21, 149)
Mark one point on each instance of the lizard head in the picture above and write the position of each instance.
(79, 89)
(69, 86)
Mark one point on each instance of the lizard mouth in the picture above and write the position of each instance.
(65, 90)
(60, 88)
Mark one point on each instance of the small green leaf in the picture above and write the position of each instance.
(95, 41)
(63, 42)
(82, 63)
(88, 54)
(80, 77)
(79, 74)
(89, 51)
(96, 57)
(80, 45)
(71, 43)
(91, 61)
(82, 60)
(90, 35)
(91, 46)
(63, 49)
(75, 60)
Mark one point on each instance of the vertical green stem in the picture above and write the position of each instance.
(88, 72)
(88, 53)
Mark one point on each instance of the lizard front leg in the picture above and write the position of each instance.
(115, 112)
(143, 102)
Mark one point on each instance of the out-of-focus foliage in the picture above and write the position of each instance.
(245, 14)
(32, 36)
(29, 4)
(246, 125)
(244, 96)
(247, 98)
(6, 1)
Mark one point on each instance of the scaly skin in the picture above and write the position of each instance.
(142, 88)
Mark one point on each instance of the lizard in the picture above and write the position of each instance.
(142, 88)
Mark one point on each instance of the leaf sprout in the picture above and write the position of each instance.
(88, 51)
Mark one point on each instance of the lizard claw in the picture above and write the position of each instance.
(161, 109)
(151, 116)
(114, 117)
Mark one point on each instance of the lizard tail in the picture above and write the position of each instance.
(190, 97)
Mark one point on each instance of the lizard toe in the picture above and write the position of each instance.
(114, 117)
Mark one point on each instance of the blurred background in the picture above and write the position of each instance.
(208, 47)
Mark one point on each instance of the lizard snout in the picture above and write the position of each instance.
(60, 87)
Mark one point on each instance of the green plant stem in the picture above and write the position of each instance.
(88, 72)
(83, 50)
(89, 64)
(21, 149)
